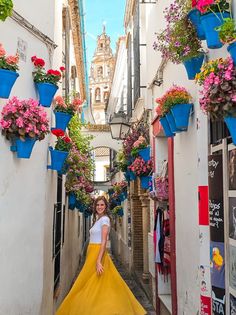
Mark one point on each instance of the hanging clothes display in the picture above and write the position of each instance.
(162, 240)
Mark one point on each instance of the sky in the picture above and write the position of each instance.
(97, 12)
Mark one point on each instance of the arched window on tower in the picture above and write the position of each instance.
(98, 95)
(100, 71)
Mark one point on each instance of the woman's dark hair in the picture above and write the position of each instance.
(106, 212)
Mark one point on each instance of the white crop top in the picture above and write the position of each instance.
(96, 230)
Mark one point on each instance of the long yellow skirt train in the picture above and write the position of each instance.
(107, 294)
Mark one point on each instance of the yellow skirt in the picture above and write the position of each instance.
(107, 294)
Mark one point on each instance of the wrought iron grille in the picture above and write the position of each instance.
(218, 131)
(57, 220)
(129, 80)
(136, 52)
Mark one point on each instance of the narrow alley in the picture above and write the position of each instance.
(118, 143)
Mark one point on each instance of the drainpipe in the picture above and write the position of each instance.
(172, 225)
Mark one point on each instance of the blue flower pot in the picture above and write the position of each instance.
(231, 125)
(145, 180)
(72, 201)
(127, 175)
(145, 153)
(171, 122)
(121, 197)
(209, 22)
(125, 194)
(181, 113)
(120, 212)
(58, 159)
(62, 120)
(232, 50)
(7, 80)
(194, 16)
(23, 149)
(166, 127)
(193, 66)
(46, 93)
(132, 176)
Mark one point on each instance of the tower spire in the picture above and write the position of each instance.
(104, 27)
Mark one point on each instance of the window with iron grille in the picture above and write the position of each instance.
(136, 52)
(57, 235)
(129, 79)
(218, 131)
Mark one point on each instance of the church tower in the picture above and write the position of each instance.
(101, 73)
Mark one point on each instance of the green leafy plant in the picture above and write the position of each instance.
(227, 31)
(6, 7)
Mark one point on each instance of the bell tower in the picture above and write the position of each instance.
(101, 73)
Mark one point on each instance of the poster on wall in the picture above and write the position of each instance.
(232, 267)
(232, 305)
(218, 301)
(232, 218)
(216, 205)
(232, 169)
(205, 305)
(217, 256)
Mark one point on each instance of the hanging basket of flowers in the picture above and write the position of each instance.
(218, 79)
(175, 105)
(213, 13)
(8, 74)
(64, 110)
(23, 123)
(142, 169)
(46, 82)
(60, 153)
(178, 42)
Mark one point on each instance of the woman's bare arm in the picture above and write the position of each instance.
(99, 266)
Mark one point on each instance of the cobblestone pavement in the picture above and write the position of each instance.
(134, 287)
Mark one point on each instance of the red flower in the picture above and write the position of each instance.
(38, 62)
(58, 132)
(54, 72)
(194, 3)
(62, 69)
(67, 139)
(33, 58)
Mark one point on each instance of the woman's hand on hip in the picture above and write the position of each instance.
(99, 268)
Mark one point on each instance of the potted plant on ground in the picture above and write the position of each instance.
(60, 153)
(218, 100)
(176, 105)
(64, 110)
(213, 13)
(46, 82)
(8, 74)
(142, 169)
(178, 42)
(6, 7)
(23, 123)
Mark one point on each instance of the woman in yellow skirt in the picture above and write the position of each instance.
(99, 288)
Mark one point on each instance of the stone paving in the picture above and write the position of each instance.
(135, 288)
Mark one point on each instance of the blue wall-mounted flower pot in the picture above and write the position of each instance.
(209, 22)
(193, 66)
(120, 212)
(145, 153)
(194, 16)
(23, 149)
(58, 159)
(172, 123)
(132, 175)
(231, 125)
(46, 93)
(145, 180)
(7, 80)
(62, 120)
(72, 200)
(166, 127)
(181, 113)
(232, 50)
